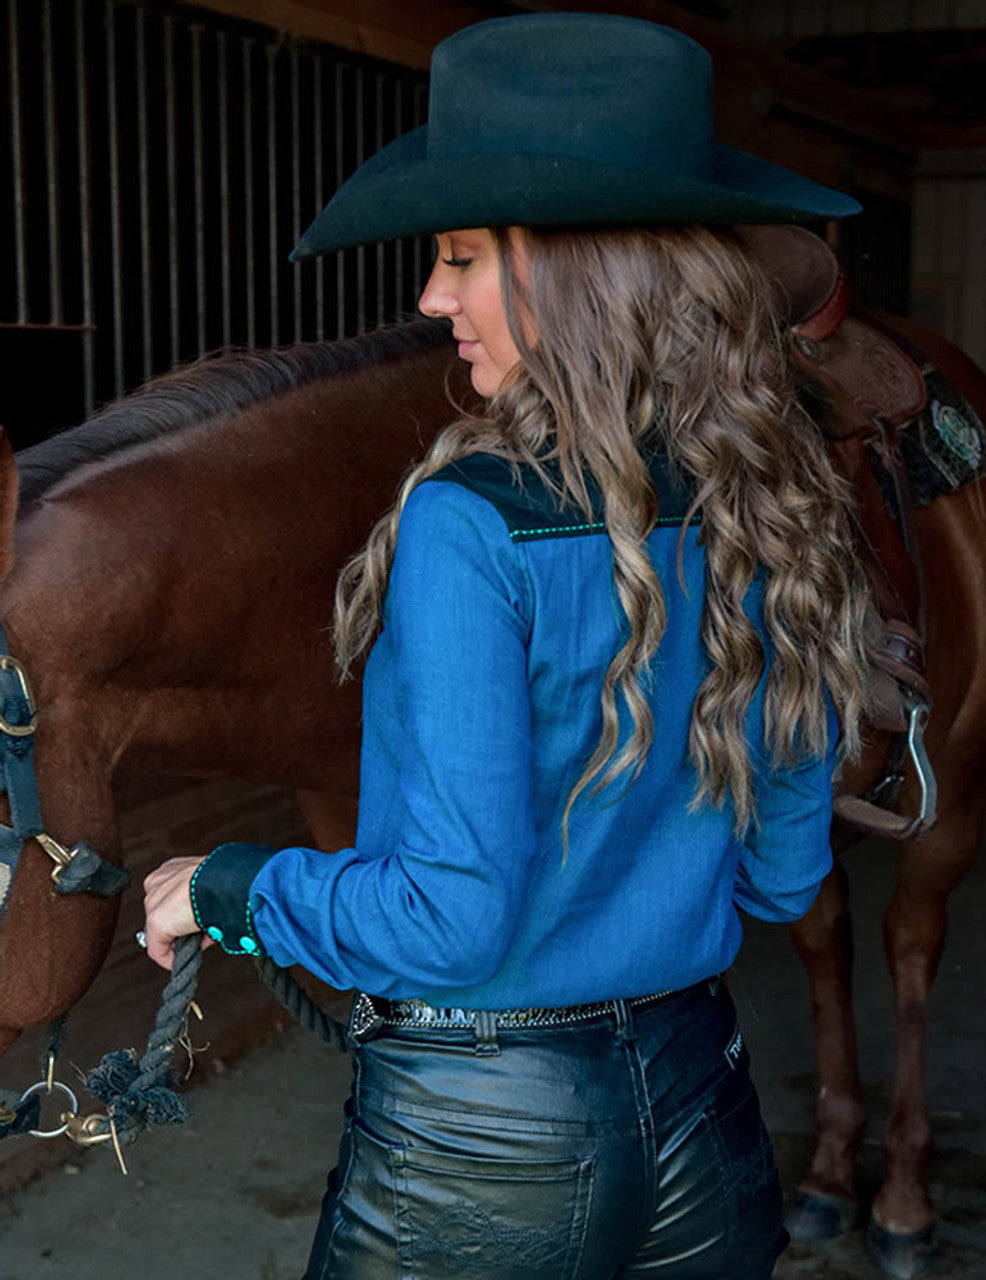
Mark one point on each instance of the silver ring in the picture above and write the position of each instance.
(141, 938)
(43, 1085)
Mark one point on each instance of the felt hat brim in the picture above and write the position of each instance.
(402, 191)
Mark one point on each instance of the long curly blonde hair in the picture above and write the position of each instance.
(667, 338)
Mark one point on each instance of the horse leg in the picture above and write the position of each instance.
(903, 1228)
(825, 1202)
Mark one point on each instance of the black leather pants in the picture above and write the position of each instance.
(628, 1145)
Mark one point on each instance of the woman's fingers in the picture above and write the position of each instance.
(168, 908)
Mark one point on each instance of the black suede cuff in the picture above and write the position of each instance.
(220, 891)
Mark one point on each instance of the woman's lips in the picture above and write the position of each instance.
(466, 346)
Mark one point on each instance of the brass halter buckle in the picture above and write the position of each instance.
(7, 663)
(56, 852)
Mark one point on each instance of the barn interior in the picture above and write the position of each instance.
(157, 162)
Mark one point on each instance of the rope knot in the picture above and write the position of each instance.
(115, 1074)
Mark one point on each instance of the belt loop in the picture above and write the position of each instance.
(624, 1020)
(487, 1045)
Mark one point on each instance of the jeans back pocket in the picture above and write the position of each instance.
(461, 1215)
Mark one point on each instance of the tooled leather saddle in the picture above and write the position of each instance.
(874, 388)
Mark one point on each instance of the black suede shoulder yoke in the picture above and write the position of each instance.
(531, 511)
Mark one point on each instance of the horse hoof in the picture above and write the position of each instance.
(814, 1216)
(903, 1254)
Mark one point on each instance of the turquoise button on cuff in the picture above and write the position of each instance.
(220, 893)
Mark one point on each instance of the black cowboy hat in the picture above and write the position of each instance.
(564, 118)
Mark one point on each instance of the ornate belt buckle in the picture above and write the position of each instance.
(365, 1020)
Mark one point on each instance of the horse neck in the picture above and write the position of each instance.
(177, 598)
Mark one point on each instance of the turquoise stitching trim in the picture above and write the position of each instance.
(191, 889)
(251, 933)
(242, 951)
(558, 528)
(664, 521)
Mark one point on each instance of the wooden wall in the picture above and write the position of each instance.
(793, 19)
(402, 33)
(948, 247)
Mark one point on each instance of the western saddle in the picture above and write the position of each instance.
(874, 389)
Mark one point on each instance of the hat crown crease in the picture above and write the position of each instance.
(644, 100)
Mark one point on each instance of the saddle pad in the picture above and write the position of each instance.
(943, 448)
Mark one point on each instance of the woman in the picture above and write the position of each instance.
(620, 624)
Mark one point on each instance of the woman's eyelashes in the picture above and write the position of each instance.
(457, 262)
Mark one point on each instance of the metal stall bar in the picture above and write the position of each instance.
(340, 255)
(378, 143)
(116, 238)
(319, 192)
(198, 162)
(55, 292)
(143, 178)
(171, 170)
(271, 51)
(85, 212)
(360, 157)
(399, 254)
(296, 279)
(17, 160)
(249, 236)
(223, 129)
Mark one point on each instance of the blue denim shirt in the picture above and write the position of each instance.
(481, 708)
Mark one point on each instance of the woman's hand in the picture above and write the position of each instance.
(168, 908)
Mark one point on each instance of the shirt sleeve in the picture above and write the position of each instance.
(788, 854)
(438, 909)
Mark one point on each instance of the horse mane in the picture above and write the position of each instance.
(213, 385)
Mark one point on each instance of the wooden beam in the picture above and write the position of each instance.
(959, 137)
(405, 34)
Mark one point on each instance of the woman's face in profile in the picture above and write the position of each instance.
(464, 286)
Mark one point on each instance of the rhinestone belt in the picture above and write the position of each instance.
(372, 1013)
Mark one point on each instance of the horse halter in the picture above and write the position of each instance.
(77, 870)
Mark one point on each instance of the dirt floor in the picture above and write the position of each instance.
(236, 1191)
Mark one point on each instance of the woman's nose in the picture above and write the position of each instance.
(436, 298)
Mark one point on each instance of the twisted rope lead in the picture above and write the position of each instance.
(139, 1094)
(300, 1006)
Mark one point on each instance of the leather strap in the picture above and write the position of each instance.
(892, 572)
(886, 444)
(870, 817)
(830, 315)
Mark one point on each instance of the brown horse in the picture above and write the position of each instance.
(171, 600)
(951, 533)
